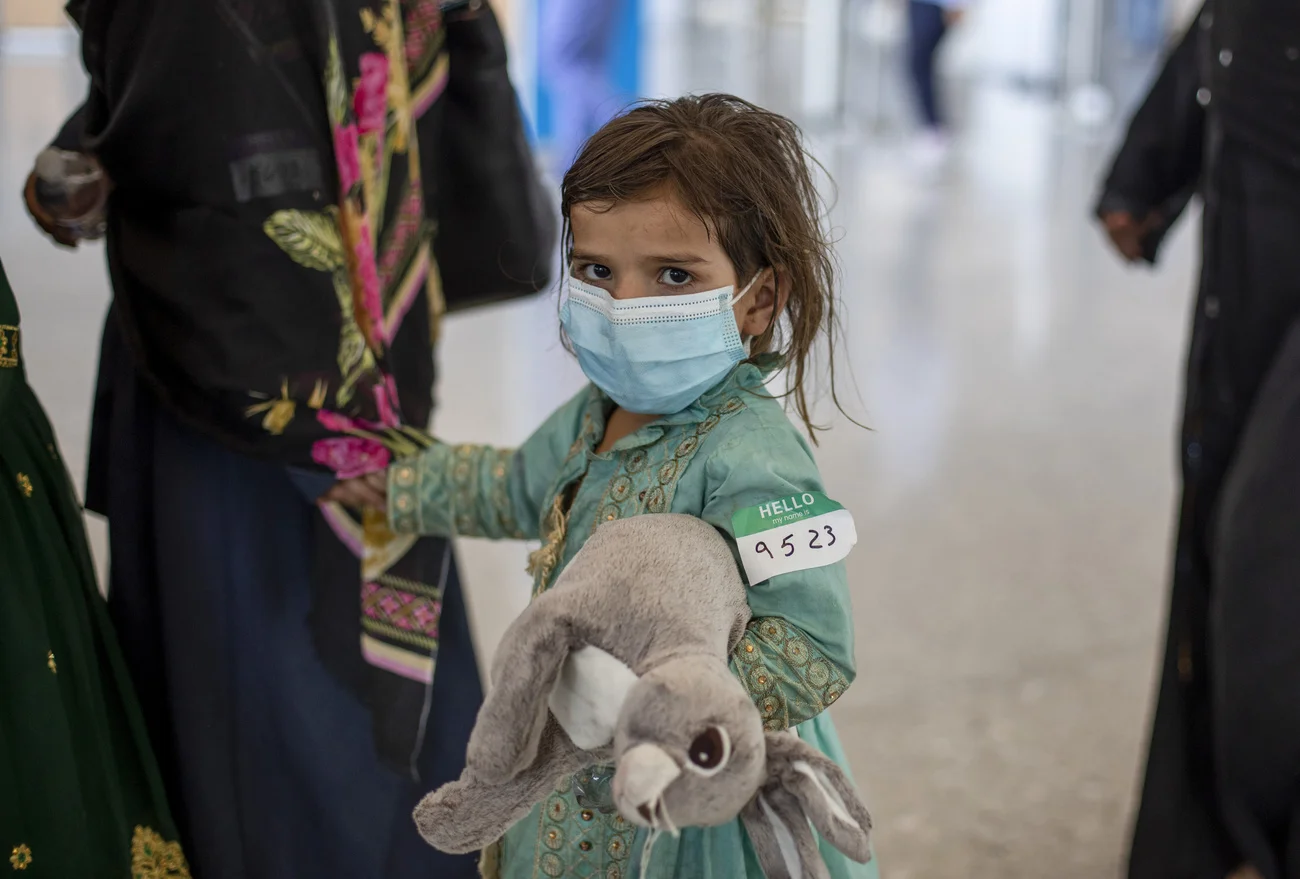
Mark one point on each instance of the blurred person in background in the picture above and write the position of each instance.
(276, 169)
(1221, 795)
(80, 793)
(576, 48)
(928, 23)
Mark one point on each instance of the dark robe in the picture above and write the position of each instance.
(275, 298)
(1222, 780)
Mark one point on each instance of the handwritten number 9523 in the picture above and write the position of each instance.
(814, 542)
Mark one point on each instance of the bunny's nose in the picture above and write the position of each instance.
(643, 774)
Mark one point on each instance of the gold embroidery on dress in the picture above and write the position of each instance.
(49, 661)
(801, 684)
(152, 857)
(542, 562)
(25, 484)
(489, 863)
(21, 857)
(8, 348)
(575, 841)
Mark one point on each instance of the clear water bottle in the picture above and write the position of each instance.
(593, 788)
(73, 189)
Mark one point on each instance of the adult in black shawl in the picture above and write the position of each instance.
(305, 674)
(1222, 784)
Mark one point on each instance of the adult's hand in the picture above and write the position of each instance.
(363, 492)
(1129, 234)
(61, 234)
(953, 15)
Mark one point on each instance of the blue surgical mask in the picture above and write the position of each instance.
(654, 355)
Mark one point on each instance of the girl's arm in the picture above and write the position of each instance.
(796, 658)
(482, 491)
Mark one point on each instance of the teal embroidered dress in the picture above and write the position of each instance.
(732, 449)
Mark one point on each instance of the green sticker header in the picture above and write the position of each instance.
(782, 511)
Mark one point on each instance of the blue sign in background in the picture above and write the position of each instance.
(625, 65)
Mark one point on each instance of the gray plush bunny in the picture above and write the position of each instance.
(624, 661)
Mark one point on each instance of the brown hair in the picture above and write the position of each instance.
(744, 172)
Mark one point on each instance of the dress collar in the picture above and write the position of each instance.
(749, 375)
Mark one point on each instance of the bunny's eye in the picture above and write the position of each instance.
(710, 750)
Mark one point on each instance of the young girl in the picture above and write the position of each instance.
(697, 268)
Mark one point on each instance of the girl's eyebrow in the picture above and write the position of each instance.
(678, 259)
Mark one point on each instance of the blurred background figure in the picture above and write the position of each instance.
(928, 22)
(576, 44)
(1222, 786)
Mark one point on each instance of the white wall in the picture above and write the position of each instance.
(1181, 12)
(1009, 38)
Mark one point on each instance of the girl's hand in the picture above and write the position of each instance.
(369, 491)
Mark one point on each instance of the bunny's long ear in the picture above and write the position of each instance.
(470, 814)
(804, 789)
(509, 727)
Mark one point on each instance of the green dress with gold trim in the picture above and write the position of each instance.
(80, 795)
(732, 449)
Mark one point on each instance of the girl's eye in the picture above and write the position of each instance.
(675, 277)
(596, 272)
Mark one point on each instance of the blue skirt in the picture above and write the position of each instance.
(263, 734)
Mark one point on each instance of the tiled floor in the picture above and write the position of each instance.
(1013, 496)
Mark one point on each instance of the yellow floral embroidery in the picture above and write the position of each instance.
(319, 393)
(8, 347)
(313, 240)
(279, 411)
(387, 32)
(21, 857)
(152, 857)
(49, 661)
(25, 484)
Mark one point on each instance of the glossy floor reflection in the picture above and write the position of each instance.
(1013, 496)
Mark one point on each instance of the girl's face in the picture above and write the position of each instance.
(656, 247)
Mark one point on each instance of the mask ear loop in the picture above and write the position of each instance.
(741, 295)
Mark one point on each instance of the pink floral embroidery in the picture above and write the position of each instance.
(423, 20)
(385, 402)
(368, 276)
(391, 381)
(350, 456)
(371, 100)
(408, 611)
(336, 422)
(346, 152)
(405, 227)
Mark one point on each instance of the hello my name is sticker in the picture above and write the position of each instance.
(795, 533)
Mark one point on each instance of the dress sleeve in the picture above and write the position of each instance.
(796, 657)
(482, 491)
(1158, 166)
(73, 133)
